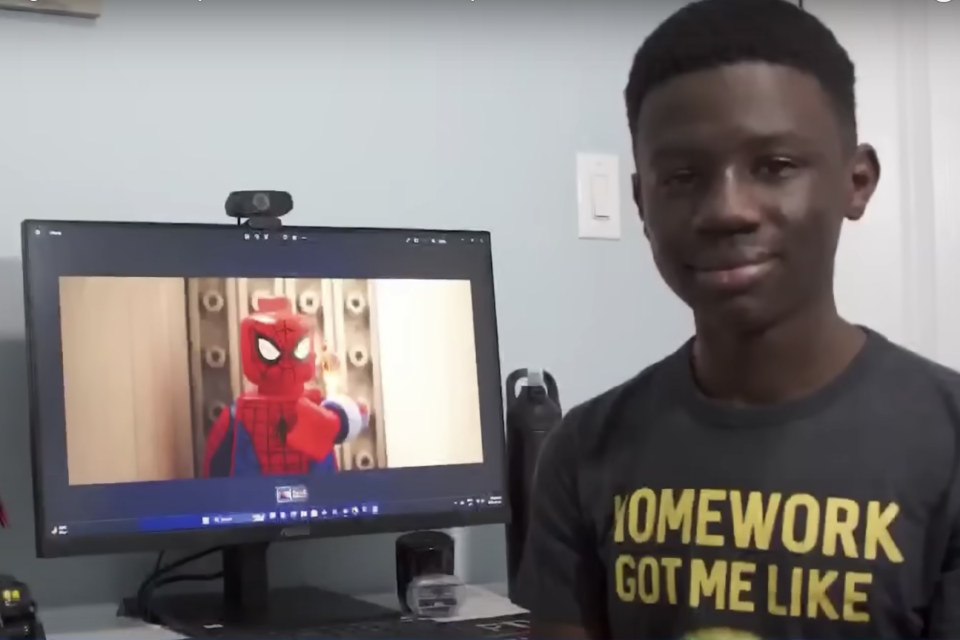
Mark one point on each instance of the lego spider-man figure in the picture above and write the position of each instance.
(281, 427)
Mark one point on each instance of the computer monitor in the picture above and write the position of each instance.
(217, 385)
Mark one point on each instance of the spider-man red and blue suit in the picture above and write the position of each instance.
(281, 427)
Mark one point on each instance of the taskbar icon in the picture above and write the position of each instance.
(292, 494)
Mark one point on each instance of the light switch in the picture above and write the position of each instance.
(599, 185)
(598, 196)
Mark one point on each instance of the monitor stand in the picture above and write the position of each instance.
(248, 608)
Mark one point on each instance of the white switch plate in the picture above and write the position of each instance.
(598, 195)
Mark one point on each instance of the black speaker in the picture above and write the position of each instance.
(422, 553)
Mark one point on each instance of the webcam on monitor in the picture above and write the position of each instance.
(259, 209)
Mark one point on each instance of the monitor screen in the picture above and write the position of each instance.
(207, 380)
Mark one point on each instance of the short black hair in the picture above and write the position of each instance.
(712, 33)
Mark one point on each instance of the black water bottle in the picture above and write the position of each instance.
(531, 413)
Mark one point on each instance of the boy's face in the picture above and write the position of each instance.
(743, 181)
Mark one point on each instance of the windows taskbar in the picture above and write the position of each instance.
(285, 514)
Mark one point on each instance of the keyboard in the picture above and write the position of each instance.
(500, 628)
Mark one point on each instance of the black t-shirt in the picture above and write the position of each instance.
(659, 513)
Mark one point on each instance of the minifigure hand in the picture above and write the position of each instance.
(315, 431)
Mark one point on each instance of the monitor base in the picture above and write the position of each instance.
(206, 615)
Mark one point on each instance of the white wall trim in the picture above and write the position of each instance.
(916, 206)
(943, 63)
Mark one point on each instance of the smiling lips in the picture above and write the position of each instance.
(734, 277)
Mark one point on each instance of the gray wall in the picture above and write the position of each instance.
(442, 113)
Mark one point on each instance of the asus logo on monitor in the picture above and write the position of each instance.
(294, 532)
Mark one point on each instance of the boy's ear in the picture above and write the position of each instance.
(635, 182)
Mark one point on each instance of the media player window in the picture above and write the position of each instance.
(191, 377)
(184, 378)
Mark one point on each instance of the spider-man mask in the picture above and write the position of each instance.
(277, 348)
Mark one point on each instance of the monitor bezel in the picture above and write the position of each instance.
(66, 546)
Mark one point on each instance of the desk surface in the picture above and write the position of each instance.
(100, 622)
